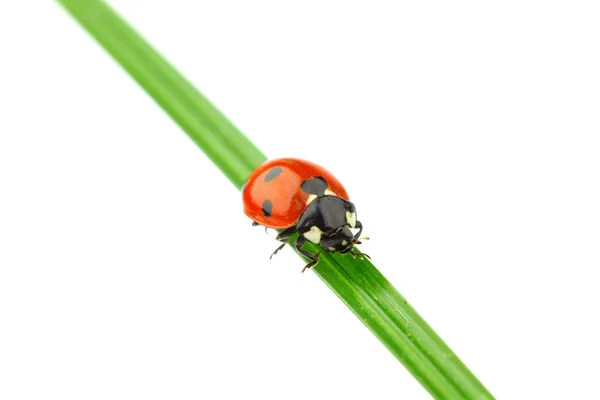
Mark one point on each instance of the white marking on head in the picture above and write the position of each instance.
(351, 219)
(311, 198)
(344, 243)
(329, 192)
(314, 235)
(332, 249)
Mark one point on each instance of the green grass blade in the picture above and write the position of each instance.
(222, 142)
(357, 283)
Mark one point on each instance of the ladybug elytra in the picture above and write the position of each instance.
(300, 196)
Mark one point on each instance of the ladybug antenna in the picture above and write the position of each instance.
(359, 241)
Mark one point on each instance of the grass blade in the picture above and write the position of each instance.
(367, 293)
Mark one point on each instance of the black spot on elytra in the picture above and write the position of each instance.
(273, 173)
(316, 185)
(267, 208)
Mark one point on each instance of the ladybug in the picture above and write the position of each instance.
(298, 196)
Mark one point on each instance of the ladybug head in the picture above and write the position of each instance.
(338, 240)
(329, 221)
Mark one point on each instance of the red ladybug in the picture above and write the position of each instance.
(299, 196)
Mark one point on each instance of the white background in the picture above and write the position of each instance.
(465, 132)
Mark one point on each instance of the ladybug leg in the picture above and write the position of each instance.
(360, 228)
(277, 250)
(284, 237)
(314, 257)
(358, 254)
(356, 240)
(254, 223)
